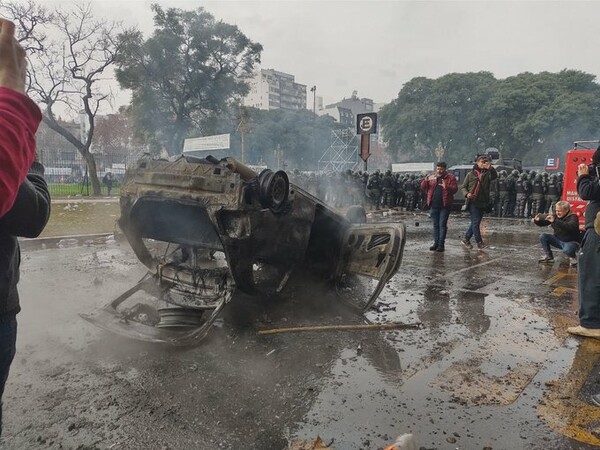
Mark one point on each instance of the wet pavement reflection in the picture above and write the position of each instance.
(490, 367)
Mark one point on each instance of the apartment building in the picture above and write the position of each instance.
(271, 89)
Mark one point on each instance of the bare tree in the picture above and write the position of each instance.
(30, 20)
(69, 54)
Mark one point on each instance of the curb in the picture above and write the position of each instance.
(46, 242)
(66, 200)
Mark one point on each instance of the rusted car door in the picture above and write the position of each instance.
(374, 251)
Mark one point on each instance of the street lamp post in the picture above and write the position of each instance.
(243, 128)
(278, 156)
(314, 91)
(439, 151)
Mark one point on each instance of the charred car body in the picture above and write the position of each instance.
(205, 227)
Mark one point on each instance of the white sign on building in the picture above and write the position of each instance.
(118, 168)
(58, 171)
(413, 167)
(207, 143)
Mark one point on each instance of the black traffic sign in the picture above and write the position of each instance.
(366, 123)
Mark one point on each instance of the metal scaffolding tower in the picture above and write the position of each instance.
(342, 154)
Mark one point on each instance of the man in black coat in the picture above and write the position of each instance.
(588, 273)
(27, 218)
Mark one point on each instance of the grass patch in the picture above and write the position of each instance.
(82, 218)
(77, 189)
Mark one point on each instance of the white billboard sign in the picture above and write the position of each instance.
(413, 167)
(58, 171)
(207, 143)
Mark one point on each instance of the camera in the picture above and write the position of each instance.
(593, 170)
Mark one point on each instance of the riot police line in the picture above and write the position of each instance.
(515, 194)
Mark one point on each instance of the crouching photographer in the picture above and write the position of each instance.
(566, 235)
(588, 280)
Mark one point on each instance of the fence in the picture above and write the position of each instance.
(70, 177)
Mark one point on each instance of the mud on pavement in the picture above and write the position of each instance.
(490, 367)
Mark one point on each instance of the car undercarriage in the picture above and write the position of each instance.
(205, 228)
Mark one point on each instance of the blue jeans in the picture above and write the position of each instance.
(549, 240)
(439, 217)
(8, 341)
(588, 282)
(476, 216)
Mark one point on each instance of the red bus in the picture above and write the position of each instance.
(581, 153)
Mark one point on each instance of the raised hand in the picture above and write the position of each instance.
(12, 58)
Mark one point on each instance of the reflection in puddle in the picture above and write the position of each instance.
(475, 352)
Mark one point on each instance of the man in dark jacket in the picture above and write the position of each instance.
(439, 188)
(24, 200)
(27, 218)
(588, 273)
(566, 235)
(476, 188)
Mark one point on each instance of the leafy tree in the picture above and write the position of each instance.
(300, 138)
(533, 114)
(525, 116)
(186, 74)
(444, 112)
(278, 138)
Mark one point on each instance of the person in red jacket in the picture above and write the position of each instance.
(440, 188)
(19, 118)
(24, 199)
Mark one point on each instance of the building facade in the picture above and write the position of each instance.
(355, 104)
(271, 89)
(341, 115)
(345, 110)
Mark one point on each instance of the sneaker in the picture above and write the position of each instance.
(481, 245)
(466, 243)
(546, 259)
(433, 248)
(583, 331)
(572, 262)
(440, 248)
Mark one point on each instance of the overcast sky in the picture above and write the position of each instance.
(374, 47)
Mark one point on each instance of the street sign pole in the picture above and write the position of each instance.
(365, 141)
(366, 124)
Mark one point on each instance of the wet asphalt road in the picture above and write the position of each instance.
(491, 367)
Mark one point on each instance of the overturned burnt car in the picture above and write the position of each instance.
(206, 227)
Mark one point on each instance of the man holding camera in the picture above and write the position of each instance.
(439, 188)
(588, 276)
(566, 235)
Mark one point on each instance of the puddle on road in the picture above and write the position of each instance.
(476, 377)
(470, 377)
